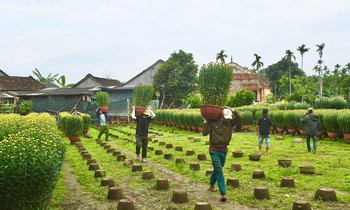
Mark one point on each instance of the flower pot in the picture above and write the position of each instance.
(347, 137)
(104, 108)
(211, 111)
(74, 139)
(280, 130)
(292, 131)
(332, 135)
(85, 130)
(254, 157)
(237, 153)
(285, 162)
(139, 110)
(246, 127)
(307, 169)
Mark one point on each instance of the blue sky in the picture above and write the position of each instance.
(119, 39)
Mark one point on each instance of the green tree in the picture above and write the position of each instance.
(176, 77)
(302, 49)
(257, 62)
(221, 56)
(275, 71)
(289, 55)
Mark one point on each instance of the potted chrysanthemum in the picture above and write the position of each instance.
(142, 96)
(214, 84)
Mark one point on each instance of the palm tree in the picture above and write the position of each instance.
(302, 49)
(320, 48)
(257, 63)
(289, 55)
(221, 56)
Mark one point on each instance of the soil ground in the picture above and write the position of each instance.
(143, 199)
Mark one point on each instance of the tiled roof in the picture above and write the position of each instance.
(19, 83)
(57, 91)
(102, 81)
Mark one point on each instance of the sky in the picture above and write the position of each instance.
(119, 39)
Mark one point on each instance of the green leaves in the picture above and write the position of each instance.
(214, 83)
(143, 95)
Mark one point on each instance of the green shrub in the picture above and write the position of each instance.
(343, 120)
(25, 107)
(330, 121)
(86, 121)
(290, 119)
(278, 120)
(331, 103)
(31, 157)
(241, 98)
(198, 119)
(247, 117)
(142, 95)
(74, 125)
(193, 100)
(102, 98)
(214, 83)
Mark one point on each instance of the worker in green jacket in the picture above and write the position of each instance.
(311, 124)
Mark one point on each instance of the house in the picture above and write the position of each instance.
(146, 76)
(243, 78)
(90, 81)
(9, 85)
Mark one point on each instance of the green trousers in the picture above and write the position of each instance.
(104, 129)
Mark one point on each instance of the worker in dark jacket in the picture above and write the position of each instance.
(220, 133)
(311, 124)
(142, 125)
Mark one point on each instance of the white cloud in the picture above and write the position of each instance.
(125, 37)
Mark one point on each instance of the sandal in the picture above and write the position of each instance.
(223, 198)
(212, 189)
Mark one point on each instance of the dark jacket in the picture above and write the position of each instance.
(264, 122)
(311, 124)
(142, 124)
(220, 132)
(98, 116)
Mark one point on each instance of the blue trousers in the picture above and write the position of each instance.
(308, 142)
(218, 158)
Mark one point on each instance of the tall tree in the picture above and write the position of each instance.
(289, 55)
(257, 64)
(221, 56)
(302, 49)
(275, 71)
(176, 77)
(320, 48)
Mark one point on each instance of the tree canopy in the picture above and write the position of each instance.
(176, 77)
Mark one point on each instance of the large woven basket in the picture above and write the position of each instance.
(211, 111)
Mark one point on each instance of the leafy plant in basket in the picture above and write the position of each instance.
(74, 126)
(142, 96)
(214, 84)
(102, 100)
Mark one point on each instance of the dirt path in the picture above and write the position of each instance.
(144, 198)
(197, 190)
